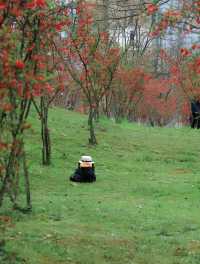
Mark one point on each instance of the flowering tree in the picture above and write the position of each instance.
(26, 33)
(90, 60)
(182, 67)
(127, 91)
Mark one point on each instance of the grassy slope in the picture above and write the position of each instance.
(143, 209)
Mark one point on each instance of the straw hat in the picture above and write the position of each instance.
(86, 161)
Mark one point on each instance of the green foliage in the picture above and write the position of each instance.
(143, 209)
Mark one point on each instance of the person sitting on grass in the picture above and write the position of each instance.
(85, 171)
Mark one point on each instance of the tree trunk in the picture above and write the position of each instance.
(105, 14)
(27, 183)
(106, 109)
(96, 114)
(6, 181)
(46, 142)
(10, 182)
(92, 139)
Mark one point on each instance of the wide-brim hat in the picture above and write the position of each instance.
(86, 161)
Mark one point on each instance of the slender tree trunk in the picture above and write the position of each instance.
(92, 139)
(96, 114)
(46, 142)
(105, 14)
(106, 109)
(7, 177)
(10, 182)
(27, 183)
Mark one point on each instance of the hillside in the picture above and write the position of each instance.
(143, 209)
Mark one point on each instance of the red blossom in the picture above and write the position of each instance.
(16, 11)
(30, 5)
(39, 78)
(59, 26)
(197, 61)
(2, 6)
(49, 88)
(7, 107)
(198, 20)
(19, 64)
(40, 3)
(151, 9)
(185, 52)
(35, 4)
(30, 48)
(41, 65)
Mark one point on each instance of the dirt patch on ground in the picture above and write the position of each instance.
(180, 171)
(194, 246)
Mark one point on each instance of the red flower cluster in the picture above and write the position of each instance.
(2, 6)
(19, 64)
(36, 3)
(195, 66)
(151, 8)
(185, 52)
(198, 20)
(7, 107)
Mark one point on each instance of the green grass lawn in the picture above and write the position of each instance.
(143, 209)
